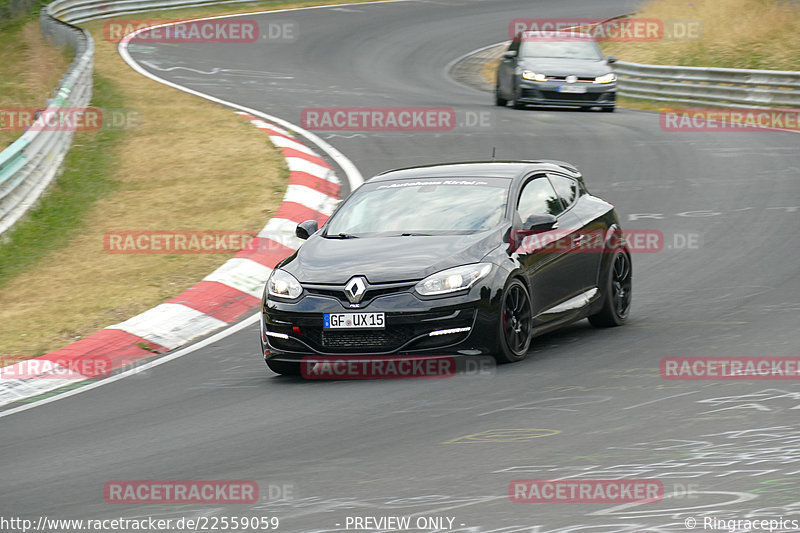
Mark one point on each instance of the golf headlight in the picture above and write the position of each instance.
(606, 78)
(533, 76)
(452, 279)
(281, 284)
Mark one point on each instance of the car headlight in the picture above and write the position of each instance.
(606, 78)
(281, 284)
(452, 279)
(533, 76)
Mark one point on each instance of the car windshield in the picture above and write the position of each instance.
(427, 206)
(561, 49)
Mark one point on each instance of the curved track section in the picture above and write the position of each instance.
(586, 403)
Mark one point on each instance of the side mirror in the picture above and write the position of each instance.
(540, 223)
(510, 54)
(306, 229)
(533, 225)
(611, 59)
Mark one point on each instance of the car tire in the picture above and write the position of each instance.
(499, 100)
(609, 109)
(516, 104)
(616, 292)
(284, 368)
(515, 324)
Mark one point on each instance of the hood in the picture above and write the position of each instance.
(386, 259)
(565, 67)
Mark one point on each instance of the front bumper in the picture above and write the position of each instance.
(547, 93)
(456, 325)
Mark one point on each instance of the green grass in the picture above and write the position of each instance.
(59, 215)
(14, 19)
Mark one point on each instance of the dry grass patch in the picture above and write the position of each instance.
(755, 34)
(489, 71)
(190, 165)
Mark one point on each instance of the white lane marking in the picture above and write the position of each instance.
(282, 230)
(263, 125)
(304, 165)
(252, 319)
(152, 65)
(243, 275)
(217, 70)
(40, 376)
(316, 200)
(170, 325)
(659, 400)
(283, 142)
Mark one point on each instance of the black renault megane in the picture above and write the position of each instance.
(461, 259)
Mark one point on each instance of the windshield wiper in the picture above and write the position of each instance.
(341, 236)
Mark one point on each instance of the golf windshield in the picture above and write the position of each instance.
(561, 49)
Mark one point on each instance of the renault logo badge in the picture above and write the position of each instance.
(355, 289)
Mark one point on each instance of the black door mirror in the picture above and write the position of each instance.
(306, 229)
(611, 59)
(540, 223)
(534, 224)
(510, 54)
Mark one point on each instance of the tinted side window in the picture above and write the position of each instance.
(566, 188)
(538, 198)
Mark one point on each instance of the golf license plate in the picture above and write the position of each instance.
(354, 321)
(578, 89)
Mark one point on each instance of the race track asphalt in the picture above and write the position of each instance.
(586, 403)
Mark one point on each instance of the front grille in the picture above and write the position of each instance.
(582, 97)
(358, 341)
(372, 292)
(564, 78)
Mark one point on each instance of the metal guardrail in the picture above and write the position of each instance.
(707, 86)
(76, 11)
(29, 164)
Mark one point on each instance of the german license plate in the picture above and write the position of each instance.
(578, 89)
(354, 321)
